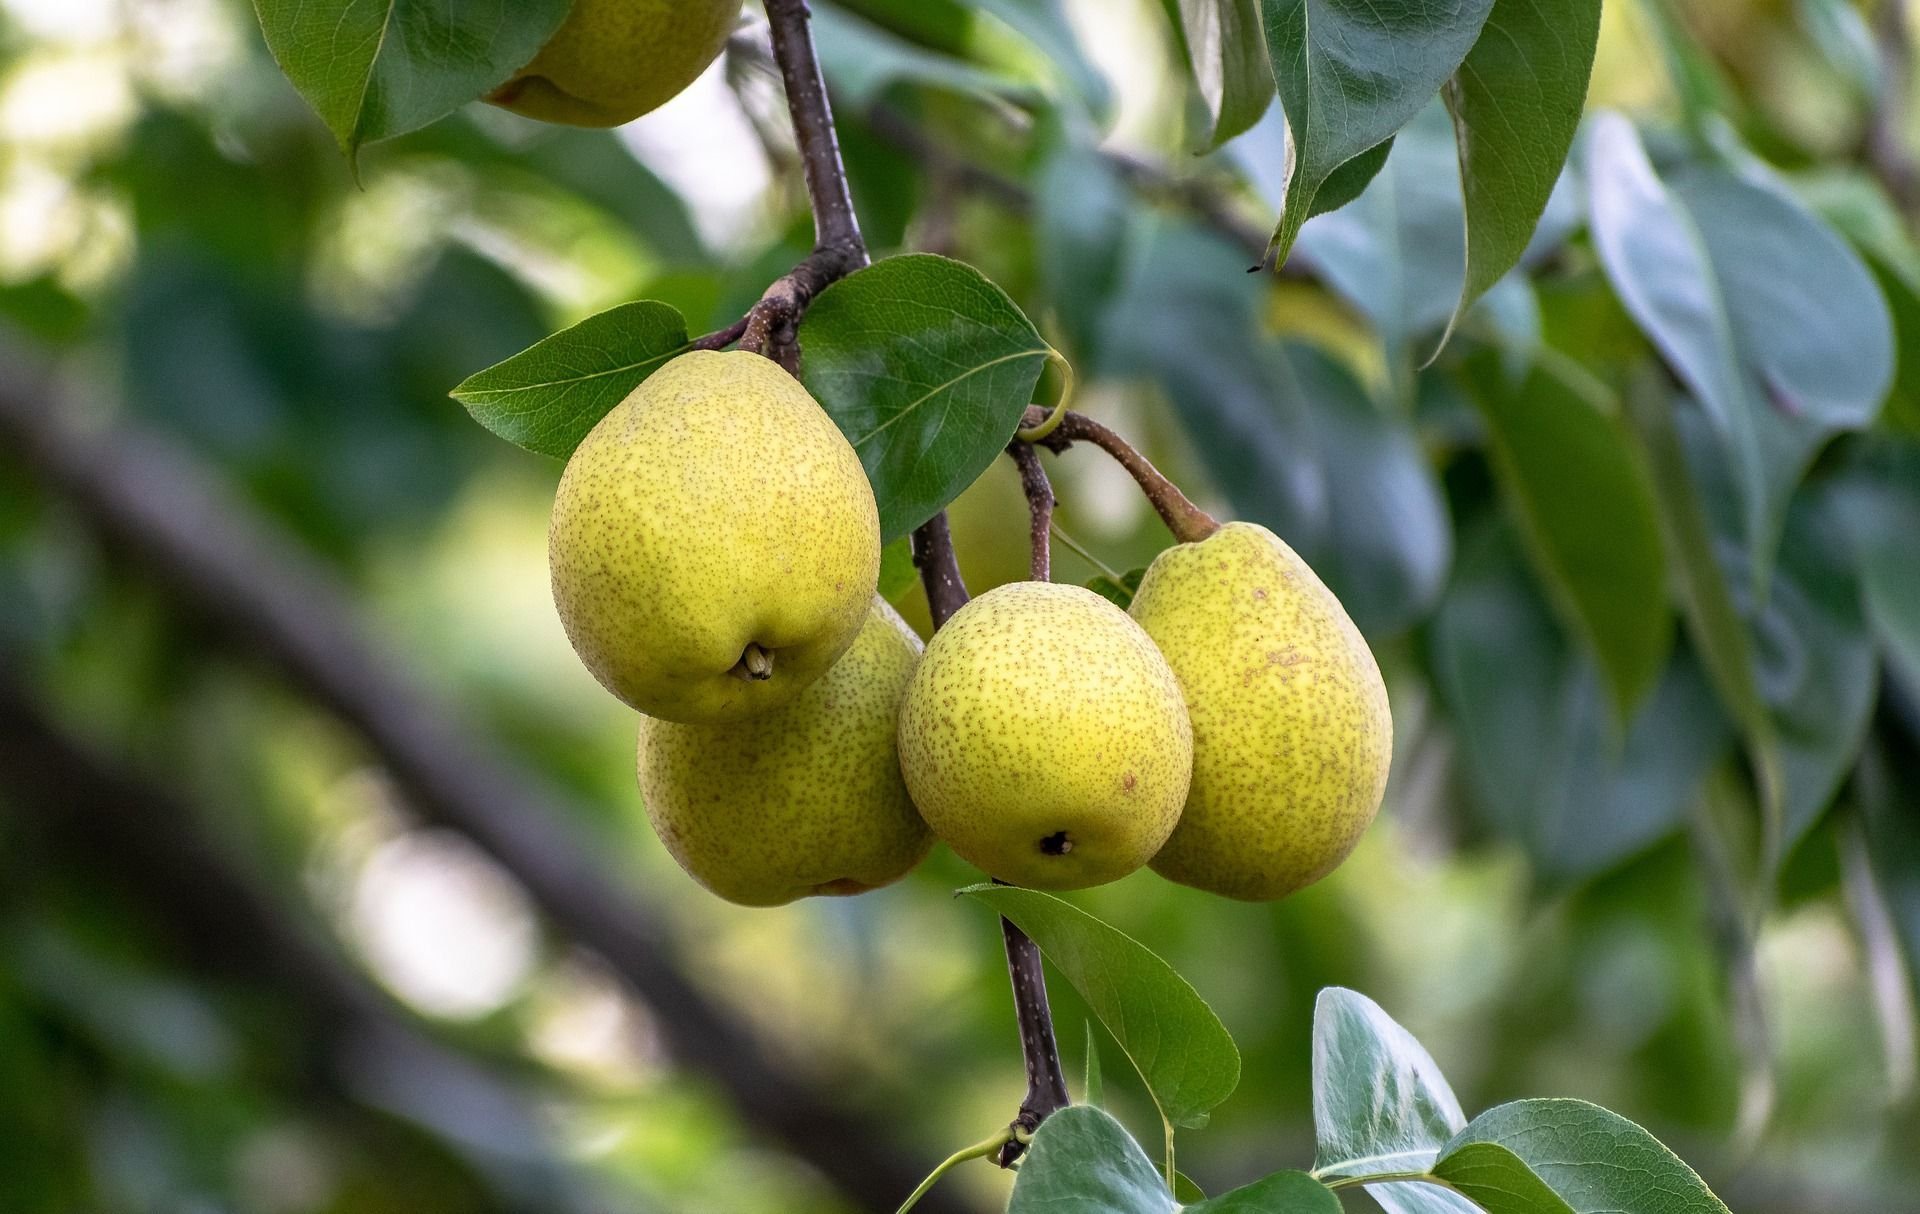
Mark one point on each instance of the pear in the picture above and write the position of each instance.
(714, 542)
(1044, 738)
(806, 799)
(1291, 733)
(614, 60)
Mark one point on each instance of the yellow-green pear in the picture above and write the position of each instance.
(714, 542)
(1044, 738)
(807, 799)
(1291, 733)
(613, 60)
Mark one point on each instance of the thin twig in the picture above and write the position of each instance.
(1187, 521)
(1039, 491)
(165, 511)
(720, 339)
(1046, 1081)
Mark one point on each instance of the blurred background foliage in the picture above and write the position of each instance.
(1566, 893)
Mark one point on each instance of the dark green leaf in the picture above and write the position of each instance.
(1118, 592)
(1352, 73)
(897, 572)
(1588, 510)
(1388, 542)
(926, 367)
(1880, 501)
(1351, 179)
(1497, 1181)
(1545, 761)
(373, 69)
(1595, 1161)
(1280, 1193)
(1169, 1033)
(1380, 1104)
(1769, 318)
(1397, 253)
(1082, 1162)
(548, 396)
(1080, 226)
(1229, 61)
(1516, 103)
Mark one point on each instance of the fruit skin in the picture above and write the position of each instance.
(715, 506)
(1292, 737)
(807, 799)
(614, 60)
(1040, 715)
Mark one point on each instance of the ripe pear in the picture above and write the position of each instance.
(1044, 738)
(614, 60)
(1291, 733)
(714, 542)
(806, 799)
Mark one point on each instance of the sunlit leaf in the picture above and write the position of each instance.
(1168, 1032)
(548, 396)
(1380, 1104)
(1594, 1161)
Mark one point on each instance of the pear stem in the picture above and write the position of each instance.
(1046, 1081)
(1188, 522)
(1039, 491)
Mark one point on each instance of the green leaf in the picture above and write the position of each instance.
(1516, 103)
(1397, 253)
(926, 366)
(1595, 1161)
(1229, 60)
(1093, 1089)
(1496, 1180)
(1351, 179)
(863, 61)
(373, 69)
(548, 396)
(1280, 1193)
(1546, 763)
(1082, 1161)
(897, 571)
(1587, 507)
(1772, 322)
(1081, 211)
(1351, 73)
(1180, 1048)
(1119, 591)
(1380, 1103)
(1880, 501)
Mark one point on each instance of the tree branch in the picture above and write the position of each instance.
(357, 1048)
(1039, 491)
(1188, 522)
(163, 511)
(939, 570)
(773, 324)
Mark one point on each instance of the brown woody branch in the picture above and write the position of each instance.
(1039, 491)
(161, 509)
(772, 326)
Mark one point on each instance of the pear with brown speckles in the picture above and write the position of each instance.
(714, 543)
(614, 60)
(1044, 738)
(807, 799)
(1291, 733)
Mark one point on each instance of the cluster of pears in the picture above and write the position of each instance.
(715, 550)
